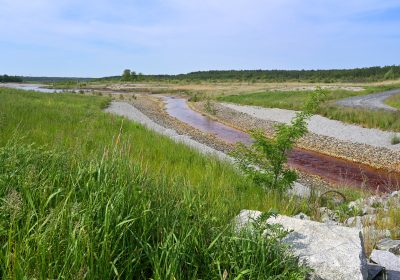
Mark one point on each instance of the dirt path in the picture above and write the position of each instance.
(374, 101)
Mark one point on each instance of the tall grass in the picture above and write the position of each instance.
(97, 196)
(108, 219)
(394, 101)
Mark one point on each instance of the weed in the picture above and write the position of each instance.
(395, 139)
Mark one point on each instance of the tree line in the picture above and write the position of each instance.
(368, 74)
(10, 79)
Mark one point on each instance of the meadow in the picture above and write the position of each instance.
(85, 194)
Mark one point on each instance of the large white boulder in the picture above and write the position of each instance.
(332, 251)
(389, 261)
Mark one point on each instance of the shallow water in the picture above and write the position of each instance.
(334, 170)
(34, 88)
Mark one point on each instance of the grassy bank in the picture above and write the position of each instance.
(96, 195)
(294, 100)
(394, 101)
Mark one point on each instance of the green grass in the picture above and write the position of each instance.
(96, 196)
(294, 100)
(394, 101)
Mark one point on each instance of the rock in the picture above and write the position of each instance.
(368, 210)
(327, 215)
(389, 261)
(300, 190)
(354, 222)
(333, 252)
(390, 245)
(302, 216)
(395, 194)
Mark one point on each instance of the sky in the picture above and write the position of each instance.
(87, 38)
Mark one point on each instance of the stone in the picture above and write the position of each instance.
(327, 215)
(300, 190)
(354, 222)
(360, 221)
(302, 216)
(368, 210)
(390, 245)
(395, 194)
(389, 261)
(332, 251)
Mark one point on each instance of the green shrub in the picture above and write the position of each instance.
(395, 139)
(264, 161)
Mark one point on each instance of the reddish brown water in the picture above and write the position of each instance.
(334, 170)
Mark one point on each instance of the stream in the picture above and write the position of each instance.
(334, 170)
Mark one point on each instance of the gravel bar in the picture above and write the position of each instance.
(127, 110)
(377, 153)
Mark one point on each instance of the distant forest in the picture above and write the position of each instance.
(10, 79)
(370, 74)
(327, 76)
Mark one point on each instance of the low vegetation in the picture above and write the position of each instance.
(85, 194)
(395, 139)
(394, 101)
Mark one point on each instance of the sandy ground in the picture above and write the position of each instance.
(375, 101)
(323, 126)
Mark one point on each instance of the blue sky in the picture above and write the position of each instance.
(99, 38)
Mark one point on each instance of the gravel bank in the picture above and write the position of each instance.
(374, 101)
(129, 111)
(381, 156)
(323, 126)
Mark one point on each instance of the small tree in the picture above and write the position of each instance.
(126, 75)
(264, 161)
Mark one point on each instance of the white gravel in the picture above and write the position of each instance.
(323, 126)
(127, 110)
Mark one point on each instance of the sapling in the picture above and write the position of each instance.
(265, 160)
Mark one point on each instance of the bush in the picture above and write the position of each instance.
(395, 139)
(264, 161)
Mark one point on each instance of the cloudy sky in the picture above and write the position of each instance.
(99, 38)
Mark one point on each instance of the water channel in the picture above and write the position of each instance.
(334, 170)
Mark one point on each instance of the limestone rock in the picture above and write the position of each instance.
(333, 252)
(390, 245)
(389, 261)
